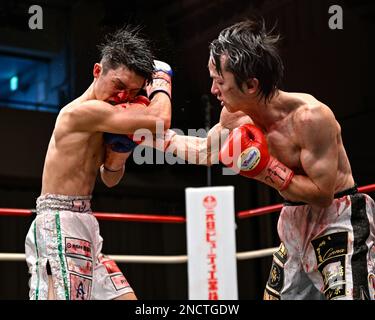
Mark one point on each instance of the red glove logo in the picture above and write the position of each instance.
(249, 159)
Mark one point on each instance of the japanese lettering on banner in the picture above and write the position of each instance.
(211, 242)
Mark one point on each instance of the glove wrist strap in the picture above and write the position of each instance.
(277, 174)
(112, 170)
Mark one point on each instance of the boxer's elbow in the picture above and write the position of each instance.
(110, 184)
(326, 202)
(323, 199)
(314, 197)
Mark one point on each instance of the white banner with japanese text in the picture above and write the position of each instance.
(211, 243)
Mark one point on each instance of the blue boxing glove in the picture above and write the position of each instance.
(119, 142)
(161, 79)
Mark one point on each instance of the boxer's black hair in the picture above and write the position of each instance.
(251, 53)
(126, 47)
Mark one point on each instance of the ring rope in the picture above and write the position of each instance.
(154, 259)
(137, 217)
(165, 219)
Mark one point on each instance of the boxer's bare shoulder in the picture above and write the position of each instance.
(231, 120)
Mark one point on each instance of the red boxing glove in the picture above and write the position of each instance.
(122, 143)
(245, 151)
(139, 100)
(123, 99)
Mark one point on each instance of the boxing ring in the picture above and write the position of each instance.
(130, 217)
(146, 218)
(133, 217)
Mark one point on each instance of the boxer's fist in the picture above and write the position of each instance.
(245, 151)
(161, 79)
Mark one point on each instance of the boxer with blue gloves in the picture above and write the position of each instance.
(63, 245)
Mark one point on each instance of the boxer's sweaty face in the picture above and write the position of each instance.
(224, 87)
(118, 85)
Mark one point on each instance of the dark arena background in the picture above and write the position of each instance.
(41, 70)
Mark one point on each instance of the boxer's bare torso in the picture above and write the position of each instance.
(73, 156)
(287, 136)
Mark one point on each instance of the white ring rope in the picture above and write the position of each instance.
(154, 259)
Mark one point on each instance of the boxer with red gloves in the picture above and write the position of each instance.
(291, 142)
(294, 145)
(245, 150)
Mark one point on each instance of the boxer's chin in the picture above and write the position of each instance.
(229, 109)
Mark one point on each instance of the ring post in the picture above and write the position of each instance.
(211, 243)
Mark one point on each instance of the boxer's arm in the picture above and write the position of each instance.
(317, 131)
(100, 116)
(200, 151)
(160, 109)
(111, 177)
(233, 120)
(159, 90)
(113, 168)
(194, 150)
(205, 151)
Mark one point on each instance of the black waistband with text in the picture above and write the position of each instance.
(346, 192)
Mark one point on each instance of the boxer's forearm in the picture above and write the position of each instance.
(192, 149)
(196, 150)
(303, 189)
(113, 168)
(111, 177)
(160, 108)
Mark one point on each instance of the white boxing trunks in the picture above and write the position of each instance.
(325, 253)
(64, 240)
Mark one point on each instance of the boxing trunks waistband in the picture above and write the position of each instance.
(58, 202)
(347, 192)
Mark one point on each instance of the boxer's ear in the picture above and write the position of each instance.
(97, 70)
(252, 85)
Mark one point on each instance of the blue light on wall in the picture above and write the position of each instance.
(13, 83)
(32, 83)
